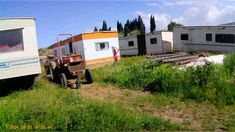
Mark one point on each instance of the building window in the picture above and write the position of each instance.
(153, 40)
(225, 38)
(11, 40)
(184, 36)
(131, 43)
(208, 37)
(102, 46)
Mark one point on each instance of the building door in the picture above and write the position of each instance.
(141, 44)
(70, 47)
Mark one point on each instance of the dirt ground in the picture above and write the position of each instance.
(196, 116)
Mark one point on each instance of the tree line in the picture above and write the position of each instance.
(135, 26)
(104, 27)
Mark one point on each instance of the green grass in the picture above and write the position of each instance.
(213, 83)
(48, 106)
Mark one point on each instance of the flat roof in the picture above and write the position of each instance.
(90, 35)
(204, 26)
(17, 18)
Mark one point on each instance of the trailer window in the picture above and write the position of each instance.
(208, 37)
(153, 40)
(102, 46)
(131, 43)
(184, 36)
(11, 40)
(225, 38)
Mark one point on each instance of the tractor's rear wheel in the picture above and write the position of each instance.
(88, 76)
(63, 80)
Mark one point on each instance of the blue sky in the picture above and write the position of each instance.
(76, 17)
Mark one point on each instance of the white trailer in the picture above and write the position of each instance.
(204, 38)
(94, 47)
(18, 49)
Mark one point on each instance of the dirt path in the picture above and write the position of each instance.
(190, 114)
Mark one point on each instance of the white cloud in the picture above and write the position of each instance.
(179, 3)
(193, 12)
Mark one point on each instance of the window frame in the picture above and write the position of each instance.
(223, 40)
(22, 40)
(131, 43)
(151, 40)
(107, 43)
(181, 36)
(209, 37)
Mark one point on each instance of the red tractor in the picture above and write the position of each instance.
(68, 69)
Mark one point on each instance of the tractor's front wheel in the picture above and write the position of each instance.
(88, 76)
(63, 80)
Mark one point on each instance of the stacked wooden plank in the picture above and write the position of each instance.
(176, 58)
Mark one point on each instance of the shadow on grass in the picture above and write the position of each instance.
(9, 86)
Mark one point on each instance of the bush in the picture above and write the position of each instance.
(214, 83)
(229, 63)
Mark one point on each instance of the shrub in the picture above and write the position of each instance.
(229, 63)
(214, 83)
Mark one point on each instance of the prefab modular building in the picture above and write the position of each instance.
(159, 42)
(128, 45)
(18, 48)
(94, 47)
(204, 38)
(150, 43)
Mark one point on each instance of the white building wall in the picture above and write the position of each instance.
(125, 49)
(153, 48)
(197, 38)
(20, 63)
(167, 40)
(90, 49)
(164, 42)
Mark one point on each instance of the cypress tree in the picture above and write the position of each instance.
(126, 28)
(109, 29)
(119, 27)
(95, 29)
(152, 24)
(141, 25)
(104, 26)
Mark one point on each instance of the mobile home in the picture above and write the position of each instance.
(94, 47)
(18, 48)
(150, 43)
(204, 38)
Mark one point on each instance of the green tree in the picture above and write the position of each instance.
(152, 24)
(141, 25)
(126, 28)
(109, 29)
(172, 25)
(95, 29)
(104, 26)
(119, 27)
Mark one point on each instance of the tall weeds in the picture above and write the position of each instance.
(213, 83)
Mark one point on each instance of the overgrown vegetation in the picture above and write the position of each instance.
(48, 106)
(213, 83)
